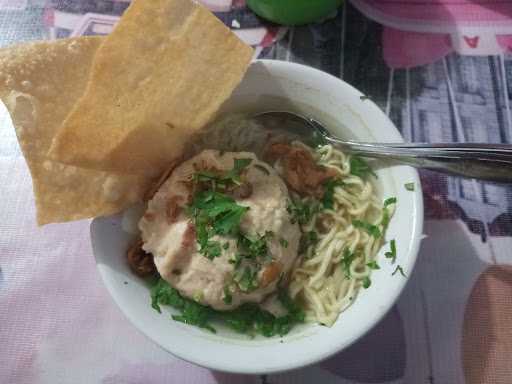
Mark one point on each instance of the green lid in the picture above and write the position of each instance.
(293, 12)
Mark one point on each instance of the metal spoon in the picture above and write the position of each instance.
(492, 162)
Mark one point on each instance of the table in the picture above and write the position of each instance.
(441, 70)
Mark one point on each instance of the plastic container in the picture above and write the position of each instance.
(294, 12)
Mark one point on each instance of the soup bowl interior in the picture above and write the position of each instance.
(274, 85)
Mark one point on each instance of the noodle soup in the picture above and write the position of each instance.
(303, 247)
(275, 85)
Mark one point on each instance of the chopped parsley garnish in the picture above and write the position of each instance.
(238, 166)
(302, 211)
(252, 247)
(228, 221)
(254, 250)
(359, 167)
(346, 261)
(191, 312)
(306, 240)
(373, 265)
(392, 252)
(248, 318)
(214, 213)
(366, 282)
(371, 229)
(262, 169)
(398, 269)
(217, 210)
(283, 242)
(211, 249)
(220, 181)
(251, 319)
(163, 293)
(328, 198)
(237, 259)
(294, 310)
(217, 214)
(228, 298)
(247, 279)
(409, 186)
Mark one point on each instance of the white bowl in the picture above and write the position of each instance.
(281, 85)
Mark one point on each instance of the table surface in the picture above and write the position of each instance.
(449, 81)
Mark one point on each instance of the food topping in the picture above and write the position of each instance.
(140, 262)
(271, 273)
(215, 219)
(300, 170)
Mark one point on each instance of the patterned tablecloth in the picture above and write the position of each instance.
(441, 69)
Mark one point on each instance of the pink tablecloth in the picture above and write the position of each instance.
(451, 325)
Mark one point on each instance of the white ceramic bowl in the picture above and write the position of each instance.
(278, 85)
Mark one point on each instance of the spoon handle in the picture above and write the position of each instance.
(492, 162)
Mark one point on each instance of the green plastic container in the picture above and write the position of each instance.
(293, 12)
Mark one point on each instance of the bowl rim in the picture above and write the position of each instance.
(415, 240)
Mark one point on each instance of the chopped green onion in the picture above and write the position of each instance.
(371, 229)
(359, 167)
(389, 201)
(392, 253)
(346, 261)
(373, 265)
(302, 211)
(328, 198)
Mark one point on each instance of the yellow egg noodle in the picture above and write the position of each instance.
(319, 279)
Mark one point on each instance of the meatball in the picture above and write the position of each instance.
(168, 232)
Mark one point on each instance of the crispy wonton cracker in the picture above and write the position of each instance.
(160, 76)
(39, 84)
